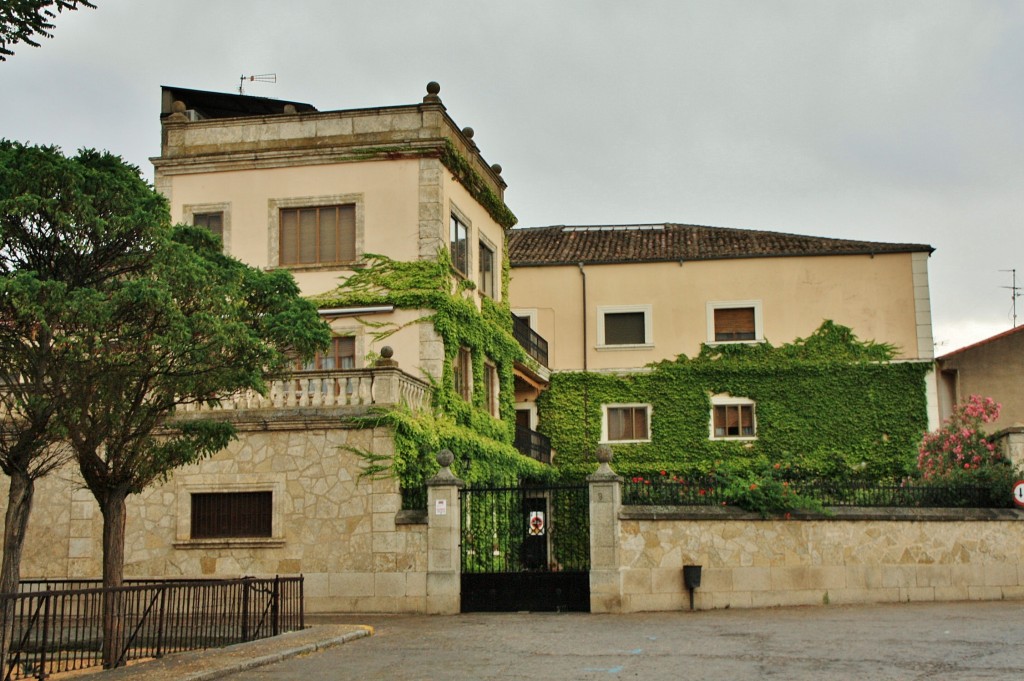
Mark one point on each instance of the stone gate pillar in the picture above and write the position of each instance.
(605, 501)
(444, 561)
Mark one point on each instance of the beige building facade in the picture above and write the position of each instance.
(315, 192)
(631, 295)
(992, 368)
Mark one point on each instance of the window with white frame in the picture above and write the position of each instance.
(626, 423)
(733, 418)
(624, 326)
(735, 321)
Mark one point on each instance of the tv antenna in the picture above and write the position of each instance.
(1014, 293)
(258, 78)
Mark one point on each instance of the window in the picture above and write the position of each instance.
(211, 221)
(232, 515)
(317, 235)
(486, 270)
(341, 354)
(459, 243)
(491, 385)
(624, 326)
(732, 418)
(626, 423)
(462, 368)
(734, 322)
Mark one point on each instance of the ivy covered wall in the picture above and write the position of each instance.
(481, 442)
(828, 404)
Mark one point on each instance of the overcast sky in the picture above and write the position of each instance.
(882, 121)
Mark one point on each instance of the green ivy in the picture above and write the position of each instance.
(467, 428)
(828, 403)
(469, 178)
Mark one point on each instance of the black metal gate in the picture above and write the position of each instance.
(526, 548)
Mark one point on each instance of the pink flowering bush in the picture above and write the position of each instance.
(960, 447)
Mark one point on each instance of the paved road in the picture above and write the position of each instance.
(908, 641)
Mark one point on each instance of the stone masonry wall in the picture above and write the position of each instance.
(760, 563)
(329, 525)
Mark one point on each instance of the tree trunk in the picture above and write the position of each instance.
(114, 516)
(19, 504)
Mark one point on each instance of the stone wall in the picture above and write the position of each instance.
(338, 530)
(861, 556)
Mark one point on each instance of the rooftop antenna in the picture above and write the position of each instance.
(1014, 293)
(258, 78)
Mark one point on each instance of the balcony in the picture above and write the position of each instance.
(532, 444)
(534, 344)
(380, 386)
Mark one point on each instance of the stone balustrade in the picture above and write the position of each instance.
(337, 388)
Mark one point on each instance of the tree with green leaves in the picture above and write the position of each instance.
(197, 326)
(66, 224)
(23, 21)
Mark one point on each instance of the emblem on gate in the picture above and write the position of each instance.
(536, 523)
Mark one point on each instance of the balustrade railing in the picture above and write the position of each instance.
(342, 387)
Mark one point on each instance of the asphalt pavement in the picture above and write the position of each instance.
(970, 640)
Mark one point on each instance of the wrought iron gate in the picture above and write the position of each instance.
(526, 548)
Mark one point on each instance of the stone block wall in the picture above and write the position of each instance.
(865, 557)
(337, 529)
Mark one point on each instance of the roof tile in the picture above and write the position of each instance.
(562, 245)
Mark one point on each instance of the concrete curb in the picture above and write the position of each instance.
(215, 663)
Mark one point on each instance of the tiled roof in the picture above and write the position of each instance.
(562, 245)
(987, 341)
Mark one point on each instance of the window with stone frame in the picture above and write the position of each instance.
(487, 270)
(462, 371)
(211, 221)
(317, 235)
(232, 515)
(458, 244)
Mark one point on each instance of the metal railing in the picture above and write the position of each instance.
(710, 491)
(340, 387)
(532, 444)
(47, 631)
(532, 342)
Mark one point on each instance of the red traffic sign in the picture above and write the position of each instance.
(1018, 493)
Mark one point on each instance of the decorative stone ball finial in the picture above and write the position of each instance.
(603, 454)
(178, 111)
(445, 458)
(468, 132)
(289, 108)
(496, 167)
(432, 89)
(387, 352)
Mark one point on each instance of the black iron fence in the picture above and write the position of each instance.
(713, 491)
(57, 626)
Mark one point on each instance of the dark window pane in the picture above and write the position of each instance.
(211, 221)
(232, 515)
(624, 328)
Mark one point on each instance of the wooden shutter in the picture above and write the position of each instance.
(735, 323)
